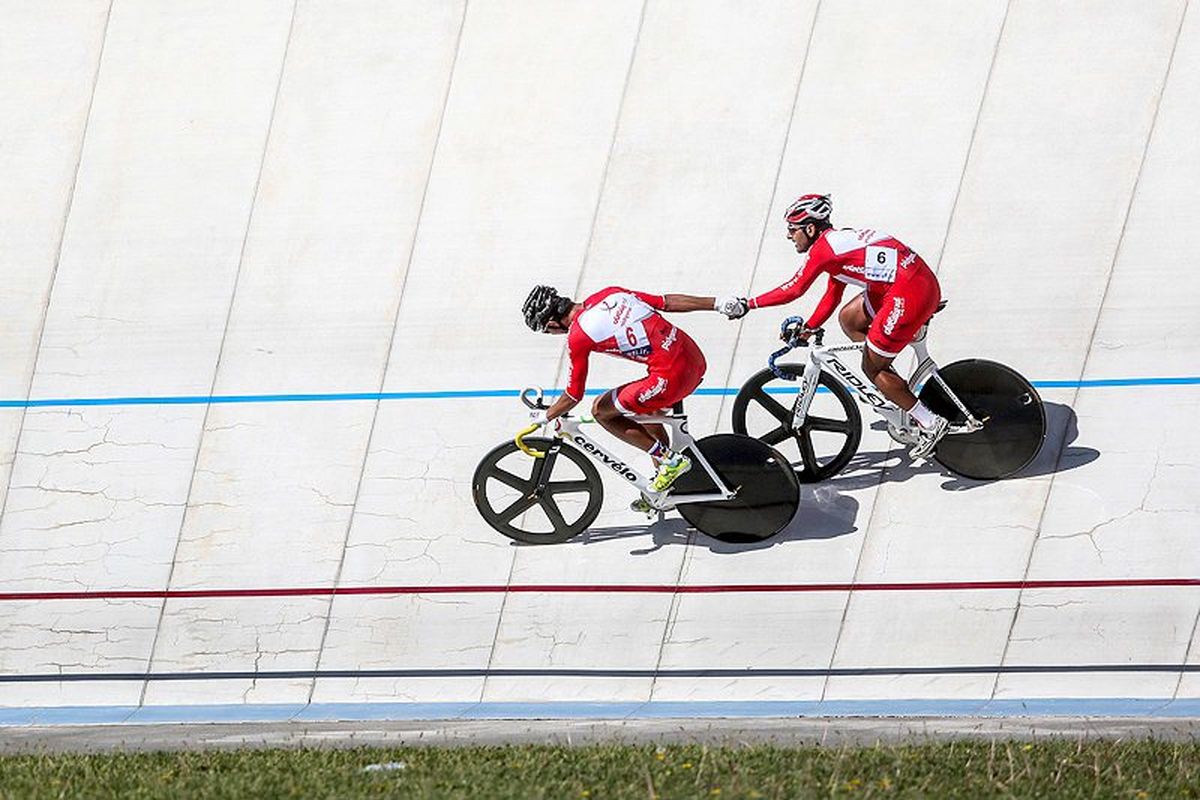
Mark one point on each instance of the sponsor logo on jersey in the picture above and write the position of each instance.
(907, 261)
(659, 386)
(639, 354)
(670, 340)
(618, 309)
(615, 465)
(622, 314)
(897, 312)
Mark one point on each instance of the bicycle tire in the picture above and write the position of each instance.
(502, 520)
(1012, 412)
(810, 466)
(768, 492)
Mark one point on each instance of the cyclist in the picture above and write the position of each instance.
(900, 294)
(626, 324)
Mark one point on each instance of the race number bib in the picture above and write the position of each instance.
(632, 340)
(880, 264)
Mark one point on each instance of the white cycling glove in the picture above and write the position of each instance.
(732, 307)
(538, 417)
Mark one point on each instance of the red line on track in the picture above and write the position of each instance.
(732, 588)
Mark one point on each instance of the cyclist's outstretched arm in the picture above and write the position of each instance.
(561, 406)
(688, 302)
(578, 348)
(827, 304)
(788, 291)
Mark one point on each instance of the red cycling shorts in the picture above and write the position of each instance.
(665, 386)
(901, 313)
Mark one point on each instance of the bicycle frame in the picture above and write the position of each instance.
(570, 429)
(821, 358)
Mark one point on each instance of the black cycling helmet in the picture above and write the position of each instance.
(543, 304)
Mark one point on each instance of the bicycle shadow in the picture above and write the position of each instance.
(824, 513)
(827, 510)
(867, 469)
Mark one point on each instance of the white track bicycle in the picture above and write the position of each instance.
(545, 490)
(997, 420)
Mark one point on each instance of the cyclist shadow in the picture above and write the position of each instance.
(868, 469)
(824, 513)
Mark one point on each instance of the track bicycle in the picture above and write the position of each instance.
(997, 420)
(545, 490)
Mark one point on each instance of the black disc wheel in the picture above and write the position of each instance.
(826, 441)
(767, 490)
(1014, 420)
(537, 500)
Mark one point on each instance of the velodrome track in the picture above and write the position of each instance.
(262, 265)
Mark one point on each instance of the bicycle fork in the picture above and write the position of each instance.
(808, 389)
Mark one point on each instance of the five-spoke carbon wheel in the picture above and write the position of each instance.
(831, 432)
(1014, 420)
(537, 500)
(767, 493)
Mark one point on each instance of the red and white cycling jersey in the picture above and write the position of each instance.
(902, 292)
(624, 323)
(868, 258)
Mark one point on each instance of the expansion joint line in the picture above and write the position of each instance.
(891, 445)
(962, 175)
(237, 277)
(612, 146)
(62, 237)
(387, 360)
(1112, 268)
(762, 236)
(672, 613)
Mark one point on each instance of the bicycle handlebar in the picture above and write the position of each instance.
(520, 439)
(538, 404)
(790, 331)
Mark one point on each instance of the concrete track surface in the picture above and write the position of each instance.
(261, 270)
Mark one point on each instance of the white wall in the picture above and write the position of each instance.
(354, 196)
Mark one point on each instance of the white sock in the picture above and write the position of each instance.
(924, 417)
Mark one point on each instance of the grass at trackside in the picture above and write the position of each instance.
(1059, 769)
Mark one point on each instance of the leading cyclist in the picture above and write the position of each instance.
(626, 324)
(900, 294)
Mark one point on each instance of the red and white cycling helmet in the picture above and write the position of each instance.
(809, 208)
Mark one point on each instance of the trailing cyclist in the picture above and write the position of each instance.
(624, 323)
(900, 294)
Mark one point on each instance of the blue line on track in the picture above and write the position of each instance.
(337, 397)
(328, 712)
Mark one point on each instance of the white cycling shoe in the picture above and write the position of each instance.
(929, 438)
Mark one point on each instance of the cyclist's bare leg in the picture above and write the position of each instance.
(854, 319)
(622, 427)
(856, 323)
(659, 432)
(879, 369)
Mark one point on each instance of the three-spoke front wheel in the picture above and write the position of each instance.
(826, 441)
(537, 500)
